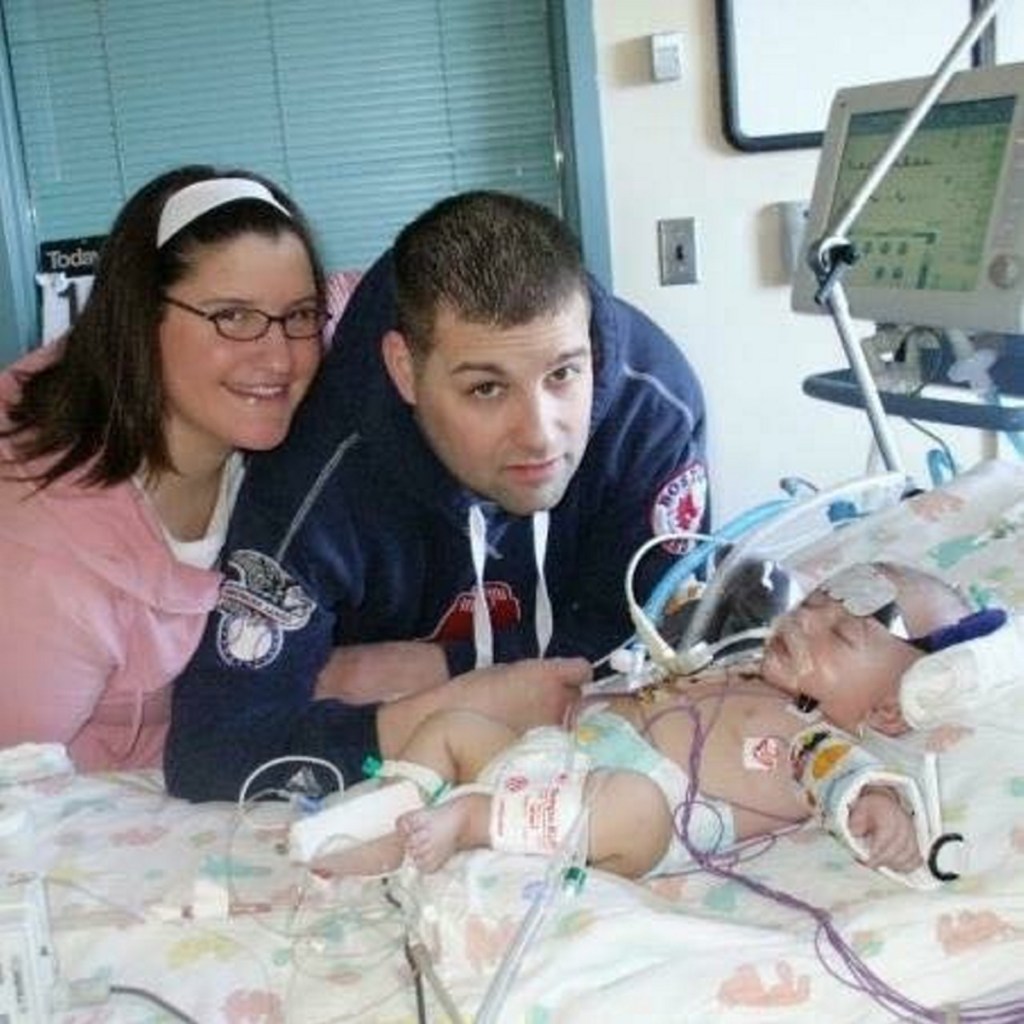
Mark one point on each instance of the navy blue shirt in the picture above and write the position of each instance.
(353, 531)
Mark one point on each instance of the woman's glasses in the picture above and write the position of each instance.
(242, 323)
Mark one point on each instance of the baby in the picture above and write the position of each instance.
(705, 761)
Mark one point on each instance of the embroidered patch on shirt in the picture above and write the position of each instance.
(256, 608)
(760, 753)
(679, 504)
(456, 623)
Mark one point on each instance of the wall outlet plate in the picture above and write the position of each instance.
(666, 56)
(677, 251)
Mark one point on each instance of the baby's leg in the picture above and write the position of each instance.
(433, 834)
(457, 744)
(630, 825)
(630, 822)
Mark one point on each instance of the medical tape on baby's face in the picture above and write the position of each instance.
(865, 592)
(861, 589)
(799, 659)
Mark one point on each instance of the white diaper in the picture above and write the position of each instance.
(944, 686)
(537, 787)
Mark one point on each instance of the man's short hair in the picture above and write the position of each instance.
(490, 257)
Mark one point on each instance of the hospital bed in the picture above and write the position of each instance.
(135, 899)
(201, 906)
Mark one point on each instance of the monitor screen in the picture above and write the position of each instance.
(941, 240)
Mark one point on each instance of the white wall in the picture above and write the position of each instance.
(666, 156)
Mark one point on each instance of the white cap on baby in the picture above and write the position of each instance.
(945, 685)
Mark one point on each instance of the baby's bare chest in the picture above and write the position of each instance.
(729, 728)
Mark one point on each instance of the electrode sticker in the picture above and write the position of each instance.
(760, 753)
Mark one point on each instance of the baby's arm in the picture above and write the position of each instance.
(856, 798)
(885, 827)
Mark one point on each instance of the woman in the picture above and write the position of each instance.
(120, 455)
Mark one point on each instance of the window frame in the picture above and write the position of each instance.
(579, 143)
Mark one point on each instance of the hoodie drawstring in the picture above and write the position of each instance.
(543, 616)
(483, 633)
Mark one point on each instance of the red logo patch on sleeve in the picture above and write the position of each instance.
(680, 503)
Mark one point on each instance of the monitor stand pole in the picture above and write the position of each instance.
(830, 257)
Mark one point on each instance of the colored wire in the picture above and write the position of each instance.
(152, 997)
(289, 759)
(829, 944)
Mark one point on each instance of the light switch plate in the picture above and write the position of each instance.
(677, 251)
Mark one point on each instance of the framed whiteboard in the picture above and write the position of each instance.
(1009, 32)
(781, 61)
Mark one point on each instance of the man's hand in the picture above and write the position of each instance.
(523, 694)
(370, 673)
(887, 829)
(539, 691)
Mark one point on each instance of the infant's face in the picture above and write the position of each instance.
(843, 662)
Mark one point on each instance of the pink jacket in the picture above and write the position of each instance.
(97, 617)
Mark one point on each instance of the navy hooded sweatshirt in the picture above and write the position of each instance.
(353, 531)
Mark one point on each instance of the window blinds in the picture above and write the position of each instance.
(366, 111)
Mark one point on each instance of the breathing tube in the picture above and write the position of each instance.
(767, 532)
(794, 528)
(695, 559)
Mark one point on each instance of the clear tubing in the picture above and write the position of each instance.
(695, 559)
(570, 855)
(796, 526)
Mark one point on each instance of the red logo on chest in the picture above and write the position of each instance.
(457, 622)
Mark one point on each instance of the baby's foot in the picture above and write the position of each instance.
(432, 834)
(369, 858)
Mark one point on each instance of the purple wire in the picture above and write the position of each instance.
(828, 940)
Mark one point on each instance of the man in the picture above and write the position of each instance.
(490, 439)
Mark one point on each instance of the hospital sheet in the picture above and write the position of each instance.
(202, 906)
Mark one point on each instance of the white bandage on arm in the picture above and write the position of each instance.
(833, 770)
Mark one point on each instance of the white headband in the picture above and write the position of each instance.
(202, 196)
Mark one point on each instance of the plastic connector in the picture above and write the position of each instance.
(973, 370)
(72, 995)
(28, 966)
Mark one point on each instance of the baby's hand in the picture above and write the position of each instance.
(887, 828)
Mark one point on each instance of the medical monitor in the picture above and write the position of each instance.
(941, 240)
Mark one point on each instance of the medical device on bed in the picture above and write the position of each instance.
(767, 535)
(916, 215)
(27, 963)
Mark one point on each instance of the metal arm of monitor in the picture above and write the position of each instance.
(830, 257)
